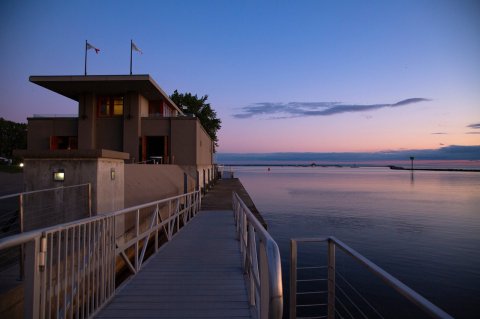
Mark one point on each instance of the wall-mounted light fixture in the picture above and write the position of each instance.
(112, 174)
(59, 175)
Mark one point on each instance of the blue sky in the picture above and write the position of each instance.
(294, 62)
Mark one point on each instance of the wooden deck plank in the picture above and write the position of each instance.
(196, 275)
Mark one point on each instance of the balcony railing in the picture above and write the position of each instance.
(73, 269)
(323, 291)
(261, 263)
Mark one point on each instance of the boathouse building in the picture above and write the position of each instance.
(125, 119)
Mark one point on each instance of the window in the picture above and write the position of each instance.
(155, 108)
(63, 143)
(110, 106)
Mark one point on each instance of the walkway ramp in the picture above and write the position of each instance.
(196, 275)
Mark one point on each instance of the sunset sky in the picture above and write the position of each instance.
(284, 76)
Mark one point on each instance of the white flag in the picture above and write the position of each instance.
(134, 47)
(91, 47)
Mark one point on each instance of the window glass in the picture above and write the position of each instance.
(118, 106)
(110, 106)
(103, 106)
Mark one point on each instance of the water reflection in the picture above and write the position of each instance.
(421, 228)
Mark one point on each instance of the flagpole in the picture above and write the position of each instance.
(131, 41)
(86, 41)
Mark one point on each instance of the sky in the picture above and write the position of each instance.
(283, 76)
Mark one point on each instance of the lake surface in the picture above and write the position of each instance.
(423, 228)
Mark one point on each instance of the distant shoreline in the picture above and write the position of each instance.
(392, 167)
(435, 169)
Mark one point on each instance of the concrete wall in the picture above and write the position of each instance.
(87, 112)
(147, 183)
(110, 193)
(131, 125)
(183, 140)
(143, 102)
(202, 172)
(204, 146)
(110, 133)
(107, 194)
(40, 130)
(152, 126)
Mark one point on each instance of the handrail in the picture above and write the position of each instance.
(407, 292)
(42, 190)
(262, 264)
(18, 239)
(71, 267)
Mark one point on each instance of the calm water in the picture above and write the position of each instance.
(422, 228)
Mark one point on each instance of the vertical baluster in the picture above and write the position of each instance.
(293, 279)
(51, 290)
(89, 268)
(84, 272)
(156, 227)
(331, 279)
(72, 267)
(78, 253)
(65, 275)
(137, 229)
(96, 246)
(57, 290)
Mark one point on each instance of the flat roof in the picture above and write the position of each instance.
(73, 86)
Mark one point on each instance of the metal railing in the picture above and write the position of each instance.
(326, 299)
(261, 263)
(73, 269)
(38, 209)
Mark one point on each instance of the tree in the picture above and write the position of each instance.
(201, 109)
(12, 136)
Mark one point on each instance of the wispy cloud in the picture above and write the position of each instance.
(439, 133)
(301, 109)
(475, 126)
(472, 133)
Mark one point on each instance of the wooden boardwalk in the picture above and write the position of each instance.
(196, 275)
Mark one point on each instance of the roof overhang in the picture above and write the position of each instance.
(74, 86)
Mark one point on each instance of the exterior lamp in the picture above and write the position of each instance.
(21, 165)
(112, 174)
(59, 175)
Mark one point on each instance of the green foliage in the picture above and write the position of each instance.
(12, 136)
(192, 104)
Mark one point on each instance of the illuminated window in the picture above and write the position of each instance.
(110, 106)
(118, 106)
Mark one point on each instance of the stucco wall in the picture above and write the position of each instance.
(131, 126)
(110, 192)
(40, 130)
(110, 133)
(155, 126)
(183, 140)
(147, 183)
(87, 111)
(107, 194)
(204, 146)
(143, 106)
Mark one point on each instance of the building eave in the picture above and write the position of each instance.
(74, 86)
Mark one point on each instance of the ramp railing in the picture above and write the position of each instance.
(261, 263)
(323, 290)
(38, 209)
(73, 269)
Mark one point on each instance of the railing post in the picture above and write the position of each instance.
(89, 200)
(22, 248)
(331, 279)
(32, 279)
(137, 234)
(293, 279)
(264, 282)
